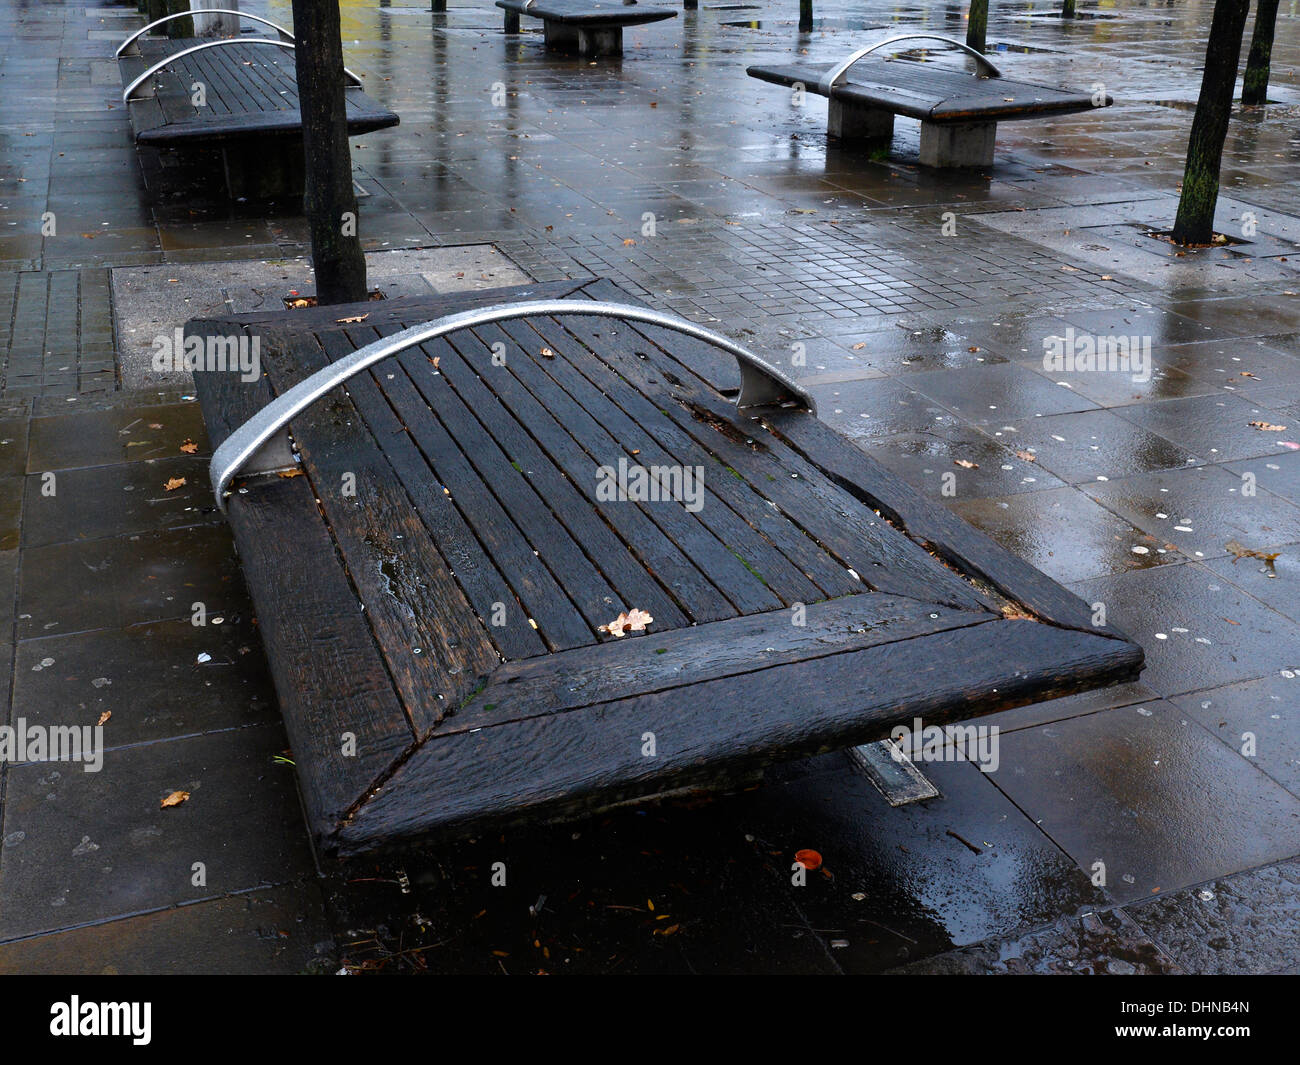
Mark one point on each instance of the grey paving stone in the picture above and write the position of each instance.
(1243, 924)
(1198, 630)
(1151, 794)
(276, 930)
(83, 847)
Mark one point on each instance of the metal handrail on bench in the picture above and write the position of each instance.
(761, 384)
(828, 80)
(285, 35)
(130, 93)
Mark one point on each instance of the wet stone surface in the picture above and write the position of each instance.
(917, 306)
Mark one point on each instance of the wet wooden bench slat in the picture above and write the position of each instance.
(634, 584)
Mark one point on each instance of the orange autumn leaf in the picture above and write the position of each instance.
(809, 859)
(103, 718)
(173, 483)
(189, 447)
(633, 621)
(174, 799)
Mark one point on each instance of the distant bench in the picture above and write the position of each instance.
(588, 27)
(959, 112)
(239, 95)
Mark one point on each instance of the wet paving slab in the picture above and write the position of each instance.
(1149, 794)
(282, 930)
(84, 847)
(1109, 943)
(1257, 719)
(1065, 534)
(926, 347)
(1243, 924)
(1198, 630)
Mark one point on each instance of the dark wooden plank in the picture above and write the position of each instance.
(728, 573)
(564, 764)
(328, 675)
(962, 545)
(475, 573)
(637, 587)
(827, 576)
(730, 526)
(883, 557)
(510, 483)
(660, 661)
(435, 648)
(227, 401)
(695, 594)
(544, 600)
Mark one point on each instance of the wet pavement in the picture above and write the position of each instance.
(1154, 827)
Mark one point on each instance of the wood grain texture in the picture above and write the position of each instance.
(561, 764)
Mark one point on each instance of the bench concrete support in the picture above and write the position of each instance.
(587, 41)
(854, 122)
(264, 169)
(512, 22)
(957, 143)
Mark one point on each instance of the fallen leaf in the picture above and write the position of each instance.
(173, 483)
(103, 718)
(629, 242)
(1266, 427)
(1027, 456)
(809, 859)
(966, 464)
(859, 345)
(633, 621)
(174, 799)
(189, 447)
(1240, 551)
(547, 353)
(348, 321)
(291, 473)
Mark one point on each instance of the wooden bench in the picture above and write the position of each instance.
(959, 112)
(236, 95)
(436, 594)
(588, 27)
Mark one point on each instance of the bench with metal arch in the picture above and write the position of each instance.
(235, 94)
(959, 112)
(439, 576)
(588, 27)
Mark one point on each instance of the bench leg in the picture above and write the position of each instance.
(264, 169)
(438, 5)
(607, 40)
(957, 143)
(603, 40)
(853, 122)
(512, 22)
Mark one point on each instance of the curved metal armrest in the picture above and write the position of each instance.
(142, 87)
(832, 76)
(761, 384)
(285, 35)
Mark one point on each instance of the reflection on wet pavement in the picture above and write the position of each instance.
(917, 305)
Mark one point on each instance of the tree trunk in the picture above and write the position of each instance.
(329, 199)
(805, 16)
(977, 26)
(1254, 89)
(1067, 9)
(1195, 221)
